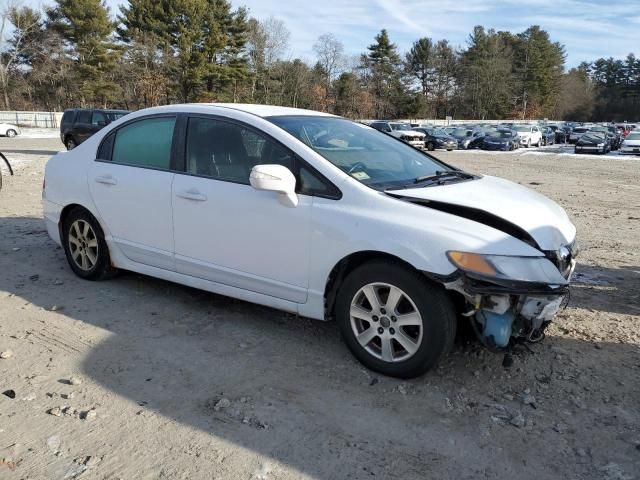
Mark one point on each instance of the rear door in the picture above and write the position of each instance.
(130, 183)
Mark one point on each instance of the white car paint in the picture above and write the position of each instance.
(245, 243)
(5, 127)
(548, 223)
(533, 136)
(407, 135)
(631, 144)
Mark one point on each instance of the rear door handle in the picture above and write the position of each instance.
(192, 194)
(107, 180)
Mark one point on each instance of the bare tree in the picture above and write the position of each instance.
(24, 20)
(329, 51)
(268, 42)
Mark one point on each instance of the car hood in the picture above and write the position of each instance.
(631, 143)
(488, 197)
(498, 139)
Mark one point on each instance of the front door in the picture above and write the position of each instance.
(131, 189)
(227, 232)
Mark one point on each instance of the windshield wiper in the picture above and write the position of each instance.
(440, 174)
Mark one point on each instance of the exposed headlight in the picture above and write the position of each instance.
(466, 143)
(504, 267)
(601, 145)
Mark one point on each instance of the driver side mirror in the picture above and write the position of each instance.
(275, 178)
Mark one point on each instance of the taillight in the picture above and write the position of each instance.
(44, 183)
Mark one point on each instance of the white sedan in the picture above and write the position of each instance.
(9, 130)
(317, 215)
(631, 144)
(528, 135)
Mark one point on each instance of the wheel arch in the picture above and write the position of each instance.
(64, 213)
(349, 263)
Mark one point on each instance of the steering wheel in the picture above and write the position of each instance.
(357, 166)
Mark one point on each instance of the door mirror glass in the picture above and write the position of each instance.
(275, 178)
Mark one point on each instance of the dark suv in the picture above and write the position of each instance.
(78, 124)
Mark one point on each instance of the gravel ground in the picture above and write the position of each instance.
(137, 378)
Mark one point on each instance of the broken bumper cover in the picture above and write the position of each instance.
(515, 300)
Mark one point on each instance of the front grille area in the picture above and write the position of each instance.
(563, 258)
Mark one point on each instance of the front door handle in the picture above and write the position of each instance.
(192, 194)
(106, 179)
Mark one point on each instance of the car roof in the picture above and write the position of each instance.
(266, 110)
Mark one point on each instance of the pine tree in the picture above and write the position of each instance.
(87, 30)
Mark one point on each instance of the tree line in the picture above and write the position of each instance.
(155, 52)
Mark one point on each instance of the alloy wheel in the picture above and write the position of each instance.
(83, 245)
(11, 133)
(386, 322)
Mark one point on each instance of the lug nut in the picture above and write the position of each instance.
(392, 331)
(394, 319)
(380, 330)
(383, 311)
(374, 318)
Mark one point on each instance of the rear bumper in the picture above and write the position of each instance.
(630, 151)
(52, 213)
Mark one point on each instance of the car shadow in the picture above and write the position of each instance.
(297, 396)
(606, 289)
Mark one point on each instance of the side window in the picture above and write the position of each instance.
(98, 117)
(106, 147)
(146, 143)
(84, 116)
(311, 183)
(227, 151)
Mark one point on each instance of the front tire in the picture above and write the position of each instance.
(85, 247)
(70, 143)
(393, 320)
(11, 133)
(430, 146)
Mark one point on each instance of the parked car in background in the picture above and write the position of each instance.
(78, 124)
(437, 138)
(503, 139)
(615, 139)
(631, 144)
(548, 136)
(576, 133)
(9, 130)
(402, 131)
(319, 216)
(463, 135)
(477, 137)
(528, 135)
(593, 142)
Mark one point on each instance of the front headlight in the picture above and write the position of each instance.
(601, 145)
(505, 267)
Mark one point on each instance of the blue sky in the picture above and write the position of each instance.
(588, 28)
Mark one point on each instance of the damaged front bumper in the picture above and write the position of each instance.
(504, 311)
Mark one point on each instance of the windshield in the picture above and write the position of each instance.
(373, 158)
(593, 137)
(634, 136)
(580, 130)
(502, 134)
(461, 132)
(400, 126)
(522, 128)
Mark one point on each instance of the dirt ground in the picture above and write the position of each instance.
(137, 378)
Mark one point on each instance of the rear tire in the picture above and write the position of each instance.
(430, 146)
(70, 143)
(85, 247)
(407, 332)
